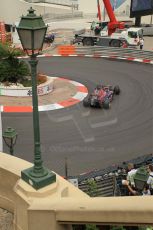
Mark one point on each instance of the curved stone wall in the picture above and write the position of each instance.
(42, 89)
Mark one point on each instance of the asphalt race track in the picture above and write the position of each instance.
(91, 138)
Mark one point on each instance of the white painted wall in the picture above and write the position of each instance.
(12, 10)
(88, 6)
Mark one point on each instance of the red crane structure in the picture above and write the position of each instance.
(99, 11)
(113, 24)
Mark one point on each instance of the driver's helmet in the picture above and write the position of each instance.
(98, 87)
(106, 89)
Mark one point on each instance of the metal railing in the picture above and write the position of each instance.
(105, 187)
(99, 174)
(109, 180)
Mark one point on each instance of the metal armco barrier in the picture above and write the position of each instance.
(113, 51)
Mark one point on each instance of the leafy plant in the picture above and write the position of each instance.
(92, 188)
(3, 51)
(12, 69)
(118, 228)
(91, 227)
(6, 51)
(146, 228)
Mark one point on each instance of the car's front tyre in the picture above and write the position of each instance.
(106, 104)
(86, 102)
(117, 90)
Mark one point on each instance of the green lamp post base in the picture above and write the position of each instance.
(38, 182)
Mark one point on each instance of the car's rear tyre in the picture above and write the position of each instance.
(86, 102)
(117, 90)
(106, 104)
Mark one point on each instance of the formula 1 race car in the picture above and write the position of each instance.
(102, 96)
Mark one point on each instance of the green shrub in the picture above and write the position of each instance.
(91, 227)
(13, 71)
(11, 68)
(26, 83)
(118, 228)
(92, 188)
(6, 51)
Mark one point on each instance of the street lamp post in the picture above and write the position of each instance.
(10, 137)
(32, 30)
(66, 169)
(140, 178)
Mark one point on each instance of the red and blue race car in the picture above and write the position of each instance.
(101, 96)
